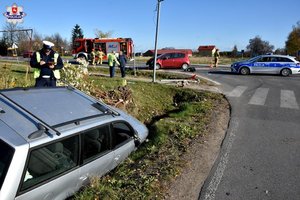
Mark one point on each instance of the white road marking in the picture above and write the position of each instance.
(288, 99)
(259, 97)
(237, 91)
(216, 179)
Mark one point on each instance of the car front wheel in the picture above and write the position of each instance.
(82, 58)
(184, 66)
(285, 72)
(244, 71)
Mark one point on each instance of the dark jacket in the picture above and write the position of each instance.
(45, 70)
(122, 60)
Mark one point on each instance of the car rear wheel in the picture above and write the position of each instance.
(184, 66)
(285, 72)
(244, 71)
(157, 66)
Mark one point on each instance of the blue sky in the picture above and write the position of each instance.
(183, 23)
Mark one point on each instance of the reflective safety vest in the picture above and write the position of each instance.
(37, 71)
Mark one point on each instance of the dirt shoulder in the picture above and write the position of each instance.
(200, 157)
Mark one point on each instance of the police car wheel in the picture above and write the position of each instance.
(244, 71)
(285, 72)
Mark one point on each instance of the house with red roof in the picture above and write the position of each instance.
(207, 50)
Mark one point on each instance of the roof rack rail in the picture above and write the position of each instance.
(105, 109)
(41, 129)
(97, 104)
(77, 121)
(2, 111)
(42, 126)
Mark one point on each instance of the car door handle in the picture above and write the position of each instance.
(83, 178)
(117, 157)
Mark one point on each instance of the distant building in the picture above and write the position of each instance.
(138, 54)
(206, 50)
(162, 51)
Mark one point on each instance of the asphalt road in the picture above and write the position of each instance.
(260, 156)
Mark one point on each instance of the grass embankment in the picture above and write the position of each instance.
(174, 116)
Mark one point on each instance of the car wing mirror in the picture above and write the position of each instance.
(137, 141)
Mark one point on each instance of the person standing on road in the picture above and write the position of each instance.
(112, 61)
(216, 58)
(100, 57)
(46, 64)
(122, 60)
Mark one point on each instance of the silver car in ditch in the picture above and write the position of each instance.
(52, 140)
(268, 64)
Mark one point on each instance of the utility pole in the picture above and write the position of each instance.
(156, 36)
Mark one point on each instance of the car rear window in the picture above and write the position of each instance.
(6, 155)
(281, 59)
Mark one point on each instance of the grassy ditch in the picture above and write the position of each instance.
(175, 117)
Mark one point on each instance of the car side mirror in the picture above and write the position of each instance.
(137, 141)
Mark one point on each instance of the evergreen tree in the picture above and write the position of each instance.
(292, 44)
(3, 46)
(234, 51)
(76, 33)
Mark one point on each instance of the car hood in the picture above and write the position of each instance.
(245, 62)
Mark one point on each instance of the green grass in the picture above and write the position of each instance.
(174, 117)
(173, 126)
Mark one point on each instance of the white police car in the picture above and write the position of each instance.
(52, 140)
(269, 64)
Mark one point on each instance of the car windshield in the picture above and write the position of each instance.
(254, 59)
(6, 154)
(161, 55)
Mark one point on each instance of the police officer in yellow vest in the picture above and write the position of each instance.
(46, 64)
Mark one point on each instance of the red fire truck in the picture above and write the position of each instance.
(83, 46)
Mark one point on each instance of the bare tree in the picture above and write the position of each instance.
(60, 44)
(14, 33)
(257, 46)
(37, 41)
(101, 34)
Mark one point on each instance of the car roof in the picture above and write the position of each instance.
(28, 111)
(275, 55)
